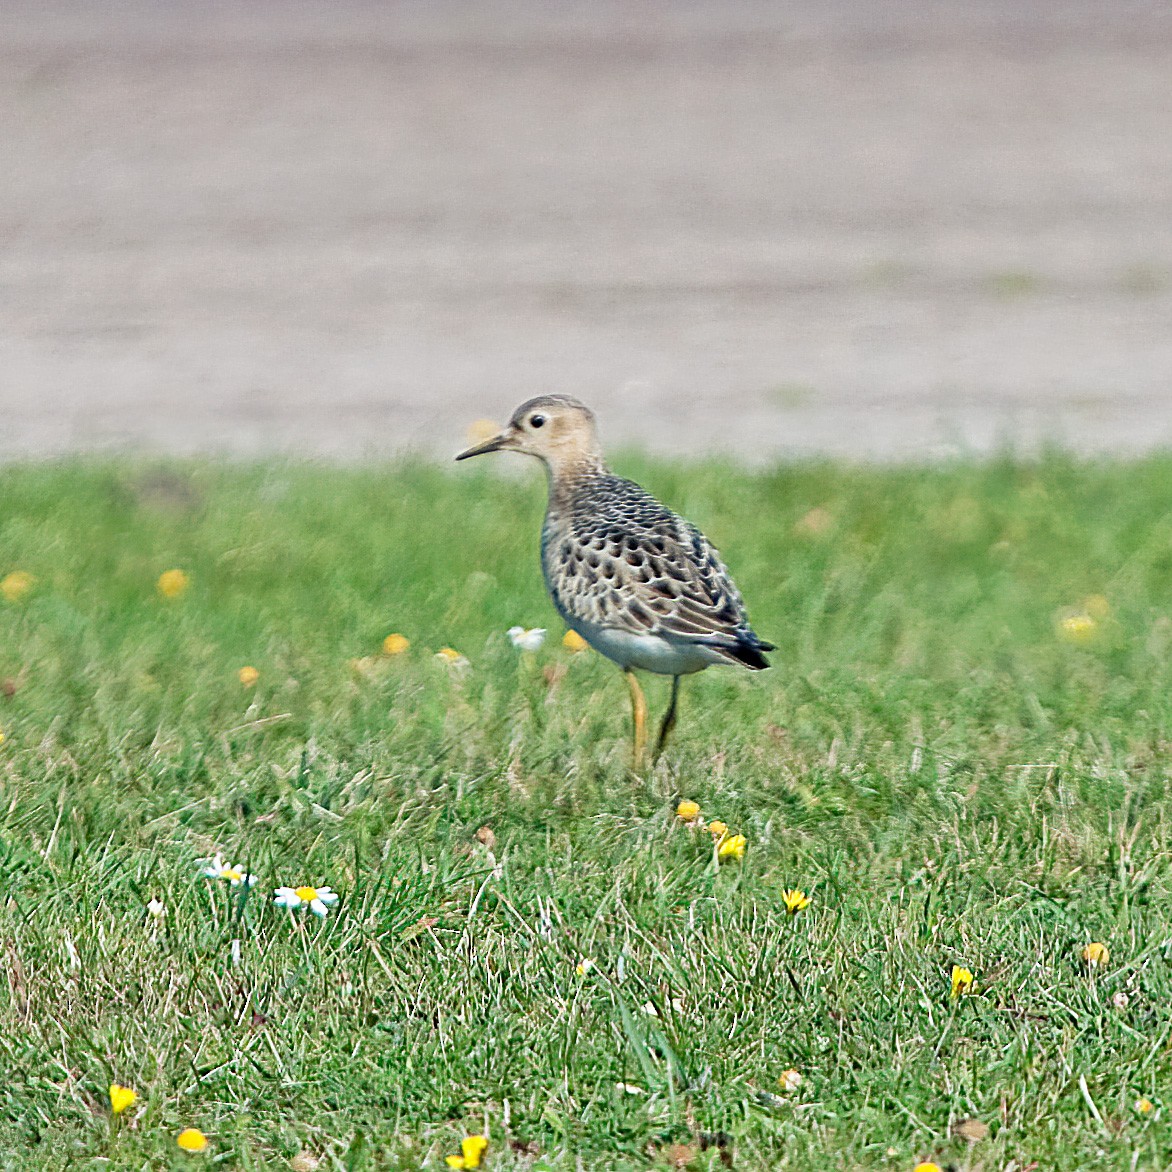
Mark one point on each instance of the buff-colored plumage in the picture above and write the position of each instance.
(635, 580)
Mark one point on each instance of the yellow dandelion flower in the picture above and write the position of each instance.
(719, 829)
(732, 847)
(191, 1139)
(172, 583)
(1078, 628)
(795, 900)
(121, 1098)
(789, 1080)
(452, 658)
(248, 676)
(927, 1166)
(1096, 955)
(471, 1151)
(688, 811)
(962, 981)
(473, 1148)
(395, 644)
(1144, 1106)
(17, 585)
(572, 641)
(482, 429)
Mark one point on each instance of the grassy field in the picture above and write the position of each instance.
(962, 756)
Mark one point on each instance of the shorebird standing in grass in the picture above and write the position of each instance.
(635, 580)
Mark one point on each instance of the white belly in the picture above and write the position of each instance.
(648, 652)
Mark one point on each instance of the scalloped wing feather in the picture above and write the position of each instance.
(620, 559)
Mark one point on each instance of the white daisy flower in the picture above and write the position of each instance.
(319, 900)
(526, 639)
(217, 868)
(156, 908)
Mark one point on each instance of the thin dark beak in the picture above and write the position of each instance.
(490, 445)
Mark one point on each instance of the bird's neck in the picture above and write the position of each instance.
(566, 474)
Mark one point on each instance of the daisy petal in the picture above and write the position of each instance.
(212, 867)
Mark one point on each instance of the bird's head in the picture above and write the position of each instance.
(557, 429)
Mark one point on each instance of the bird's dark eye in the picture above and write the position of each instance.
(536, 420)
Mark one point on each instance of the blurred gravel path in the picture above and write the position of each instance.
(823, 226)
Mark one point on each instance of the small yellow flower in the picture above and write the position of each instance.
(688, 811)
(1096, 955)
(482, 429)
(1078, 628)
(121, 1098)
(718, 829)
(452, 658)
(584, 966)
(17, 585)
(962, 981)
(789, 1080)
(1144, 1106)
(572, 641)
(395, 644)
(927, 1166)
(472, 1149)
(248, 676)
(795, 900)
(191, 1139)
(1, 738)
(172, 583)
(732, 847)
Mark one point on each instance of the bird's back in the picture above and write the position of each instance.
(616, 559)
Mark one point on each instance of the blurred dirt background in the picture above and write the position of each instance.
(823, 226)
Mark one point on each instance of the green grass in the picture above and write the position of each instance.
(950, 779)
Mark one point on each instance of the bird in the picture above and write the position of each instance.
(639, 583)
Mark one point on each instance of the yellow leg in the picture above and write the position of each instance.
(638, 716)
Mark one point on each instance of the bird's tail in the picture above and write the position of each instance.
(748, 651)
